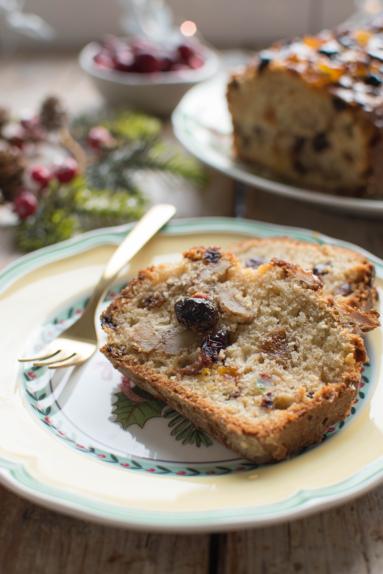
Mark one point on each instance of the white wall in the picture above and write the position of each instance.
(245, 23)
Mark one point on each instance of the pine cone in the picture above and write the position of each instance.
(52, 114)
(11, 170)
(4, 117)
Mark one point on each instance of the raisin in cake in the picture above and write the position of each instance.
(311, 111)
(257, 358)
(346, 275)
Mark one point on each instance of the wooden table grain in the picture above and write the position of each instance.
(346, 540)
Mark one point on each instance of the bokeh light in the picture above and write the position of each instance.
(188, 28)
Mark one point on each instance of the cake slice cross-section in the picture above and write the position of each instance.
(347, 276)
(258, 358)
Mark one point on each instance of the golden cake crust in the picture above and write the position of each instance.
(336, 80)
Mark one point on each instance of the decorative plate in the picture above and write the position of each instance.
(90, 443)
(202, 124)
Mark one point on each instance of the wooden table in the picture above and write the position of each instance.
(347, 540)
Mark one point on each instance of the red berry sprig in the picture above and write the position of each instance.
(100, 138)
(41, 175)
(26, 201)
(66, 171)
(25, 204)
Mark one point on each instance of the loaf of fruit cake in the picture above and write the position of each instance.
(311, 111)
(347, 276)
(259, 359)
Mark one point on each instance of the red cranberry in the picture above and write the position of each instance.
(123, 60)
(146, 63)
(103, 60)
(41, 175)
(67, 170)
(166, 64)
(99, 138)
(196, 62)
(185, 53)
(25, 204)
(139, 45)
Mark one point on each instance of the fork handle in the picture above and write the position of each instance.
(141, 233)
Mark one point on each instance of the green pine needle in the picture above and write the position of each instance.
(133, 126)
(97, 207)
(45, 229)
(179, 165)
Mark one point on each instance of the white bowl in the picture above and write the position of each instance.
(156, 93)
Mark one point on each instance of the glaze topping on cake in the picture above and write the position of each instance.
(348, 61)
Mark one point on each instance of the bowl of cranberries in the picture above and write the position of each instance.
(146, 76)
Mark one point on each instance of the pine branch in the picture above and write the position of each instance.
(134, 126)
(122, 124)
(179, 165)
(112, 168)
(104, 207)
(46, 229)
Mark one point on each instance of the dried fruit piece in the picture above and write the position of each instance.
(264, 380)
(267, 401)
(212, 255)
(108, 321)
(373, 80)
(213, 344)
(362, 36)
(254, 262)
(313, 42)
(330, 49)
(332, 72)
(264, 61)
(196, 313)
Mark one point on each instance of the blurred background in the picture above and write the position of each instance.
(99, 63)
(221, 22)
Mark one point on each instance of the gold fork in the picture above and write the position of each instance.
(78, 343)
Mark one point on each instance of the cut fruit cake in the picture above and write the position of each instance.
(311, 111)
(346, 275)
(257, 358)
